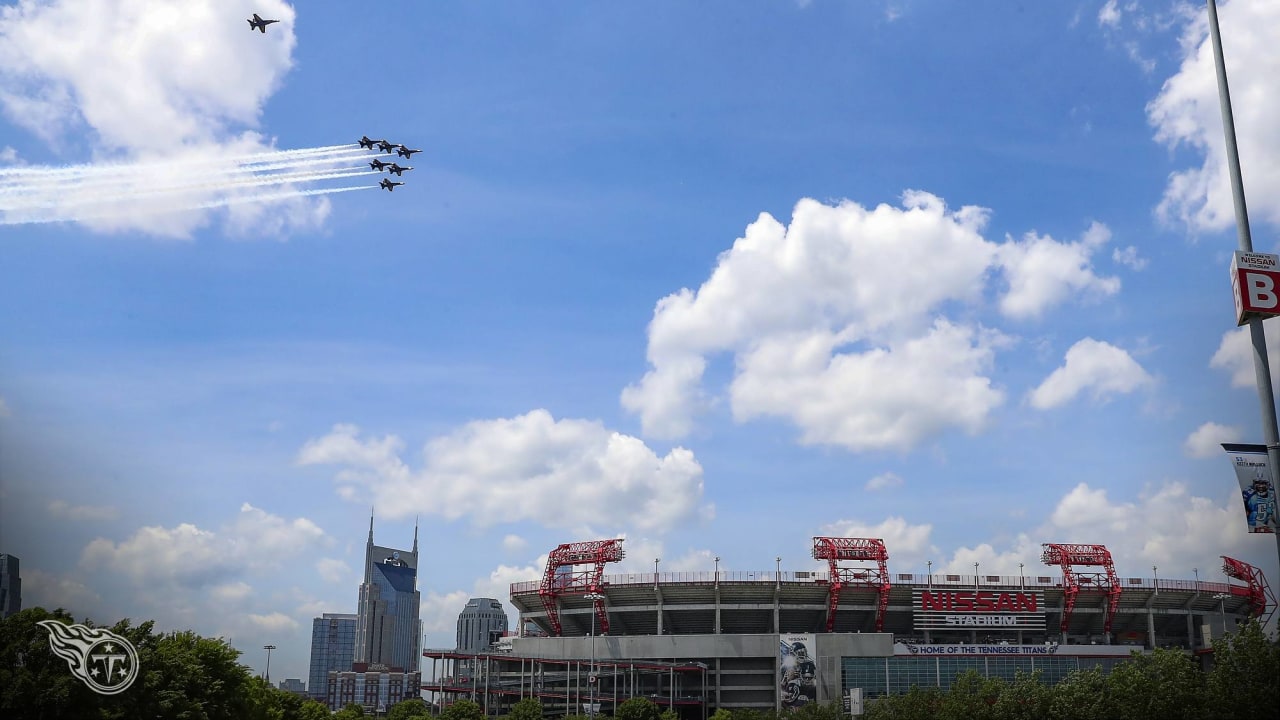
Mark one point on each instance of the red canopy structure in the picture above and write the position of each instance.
(563, 577)
(1103, 581)
(867, 550)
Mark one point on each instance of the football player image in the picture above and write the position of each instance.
(1260, 504)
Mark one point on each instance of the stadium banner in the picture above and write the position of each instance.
(947, 608)
(940, 650)
(797, 671)
(1256, 487)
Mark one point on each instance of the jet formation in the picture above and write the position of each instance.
(387, 147)
(257, 23)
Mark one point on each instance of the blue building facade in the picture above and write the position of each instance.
(388, 629)
(333, 649)
(10, 586)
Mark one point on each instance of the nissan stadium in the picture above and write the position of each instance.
(697, 641)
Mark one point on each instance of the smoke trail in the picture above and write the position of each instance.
(188, 161)
(66, 199)
(208, 205)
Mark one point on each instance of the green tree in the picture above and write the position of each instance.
(818, 711)
(35, 683)
(350, 711)
(1026, 698)
(971, 697)
(312, 710)
(722, 714)
(1162, 685)
(1242, 683)
(411, 708)
(918, 702)
(462, 710)
(1082, 695)
(637, 708)
(669, 714)
(527, 709)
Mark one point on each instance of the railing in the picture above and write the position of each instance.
(938, 580)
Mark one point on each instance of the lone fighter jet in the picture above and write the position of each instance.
(378, 164)
(257, 23)
(367, 142)
(385, 146)
(405, 152)
(389, 186)
(396, 169)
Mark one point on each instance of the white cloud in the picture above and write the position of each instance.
(149, 80)
(60, 509)
(1090, 364)
(1109, 15)
(1129, 256)
(1235, 354)
(186, 556)
(334, 570)
(522, 468)
(1186, 112)
(825, 326)
(273, 621)
(232, 592)
(514, 543)
(1043, 272)
(884, 481)
(907, 544)
(8, 156)
(50, 591)
(1206, 440)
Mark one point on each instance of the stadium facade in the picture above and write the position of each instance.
(699, 641)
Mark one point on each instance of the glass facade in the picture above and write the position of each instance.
(480, 623)
(897, 675)
(333, 648)
(10, 586)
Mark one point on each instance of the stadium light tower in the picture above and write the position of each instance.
(267, 674)
(930, 573)
(591, 675)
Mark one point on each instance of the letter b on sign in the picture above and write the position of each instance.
(1261, 288)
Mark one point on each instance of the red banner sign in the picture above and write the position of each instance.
(978, 601)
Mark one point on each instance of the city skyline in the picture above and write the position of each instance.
(715, 278)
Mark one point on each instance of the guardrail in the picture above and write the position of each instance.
(937, 580)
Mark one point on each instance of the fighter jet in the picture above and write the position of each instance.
(378, 165)
(367, 142)
(257, 23)
(389, 186)
(385, 146)
(396, 169)
(405, 152)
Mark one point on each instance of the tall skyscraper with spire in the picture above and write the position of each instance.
(388, 631)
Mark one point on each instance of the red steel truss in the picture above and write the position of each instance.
(835, 549)
(1258, 592)
(557, 582)
(1103, 581)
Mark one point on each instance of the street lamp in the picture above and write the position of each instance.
(591, 675)
(1022, 580)
(717, 569)
(1197, 572)
(778, 567)
(930, 573)
(268, 648)
(1155, 577)
(975, 575)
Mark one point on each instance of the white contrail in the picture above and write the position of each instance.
(189, 162)
(6, 219)
(71, 185)
(73, 199)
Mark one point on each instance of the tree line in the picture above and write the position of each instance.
(183, 676)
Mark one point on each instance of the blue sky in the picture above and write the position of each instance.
(946, 274)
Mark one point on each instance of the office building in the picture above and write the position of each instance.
(480, 624)
(294, 685)
(371, 686)
(388, 631)
(333, 648)
(10, 586)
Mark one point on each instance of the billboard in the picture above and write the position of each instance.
(1255, 283)
(950, 609)
(797, 671)
(1256, 487)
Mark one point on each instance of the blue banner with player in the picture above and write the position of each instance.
(798, 672)
(1256, 486)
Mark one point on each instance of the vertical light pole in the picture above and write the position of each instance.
(930, 573)
(777, 565)
(267, 675)
(1261, 363)
(591, 675)
(717, 569)
(975, 576)
(1022, 580)
(655, 570)
(1197, 572)
(1155, 578)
